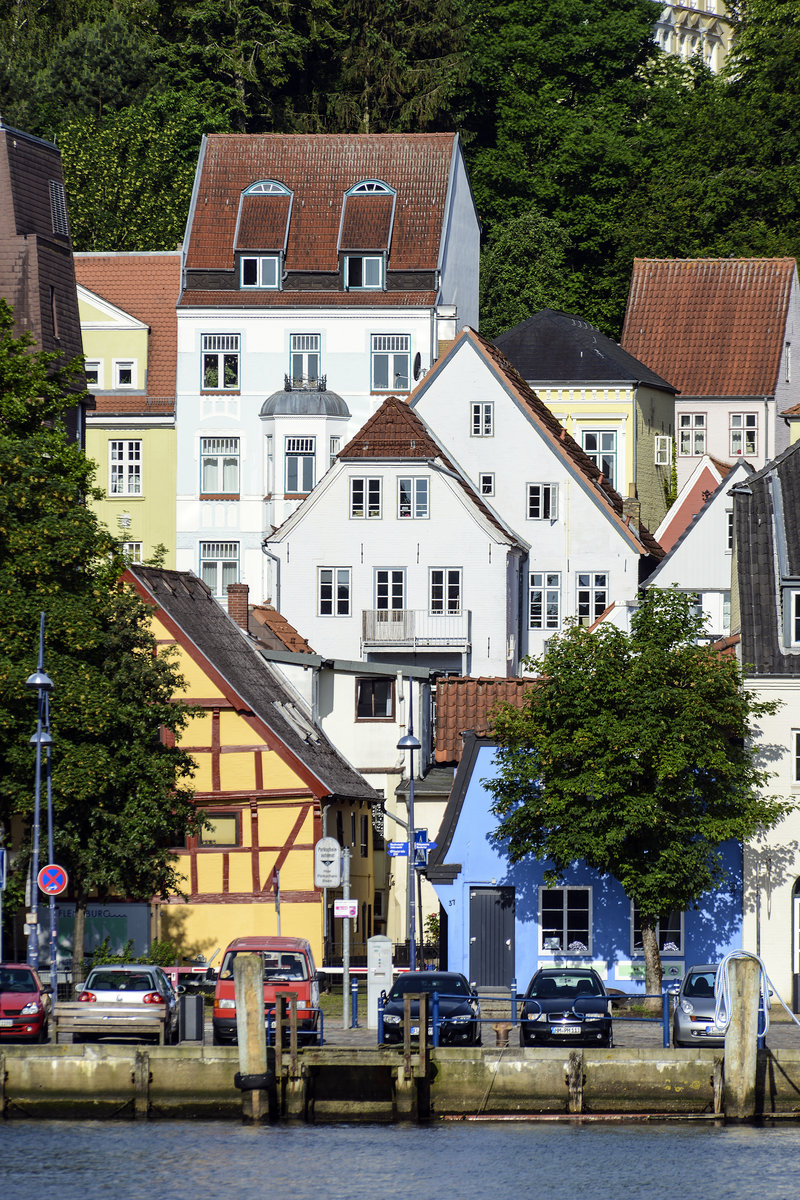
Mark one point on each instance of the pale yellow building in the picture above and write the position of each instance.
(701, 28)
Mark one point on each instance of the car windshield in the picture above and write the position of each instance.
(120, 981)
(278, 965)
(699, 984)
(447, 985)
(16, 979)
(565, 985)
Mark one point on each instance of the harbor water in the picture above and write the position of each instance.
(184, 1160)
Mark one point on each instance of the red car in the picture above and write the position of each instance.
(25, 1004)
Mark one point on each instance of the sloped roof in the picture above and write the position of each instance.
(272, 629)
(463, 705)
(562, 442)
(263, 298)
(712, 326)
(146, 286)
(319, 169)
(248, 678)
(558, 347)
(704, 479)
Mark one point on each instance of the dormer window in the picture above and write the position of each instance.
(261, 271)
(363, 271)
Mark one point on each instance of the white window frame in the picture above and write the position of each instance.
(637, 949)
(222, 450)
(305, 353)
(729, 531)
(334, 591)
(663, 450)
(793, 617)
(372, 264)
(223, 556)
(390, 589)
(445, 591)
(125, 467)
(604, 459)
(546, 585)
(118, 365)
(267, 272)
(796, 758)
(97, 365)
(481, 418)
(222, 347)
(588, 582)
(743, 432)
(413, 498)
(366, 498)
(563, 951)
(301, 449)
(394, 348)
(692, 434)
(486, 480)
(133, 551)
(334, 446)
(542, 502)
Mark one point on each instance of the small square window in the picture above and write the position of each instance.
(124, 373)
(223, 829)
(663, 451)
(542, 501)
(374, 699)
(261, 272)
(487, 484)
(364, 272)
(94, 372)
(482, 419)
(132, 551)
(334, 591)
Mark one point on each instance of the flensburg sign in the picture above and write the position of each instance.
(327, 863)
(52, 880)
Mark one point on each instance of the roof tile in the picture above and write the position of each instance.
(463, 705)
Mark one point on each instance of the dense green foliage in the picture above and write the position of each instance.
(633, 755)
(120, 792)
(568, 111)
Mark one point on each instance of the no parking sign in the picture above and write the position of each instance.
(52, 879)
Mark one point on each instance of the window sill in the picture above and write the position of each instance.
(295, 495)
(375, 720)
(398, 391)
(219, 496)
(220, 392)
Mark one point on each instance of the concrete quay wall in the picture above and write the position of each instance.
(97, 1081)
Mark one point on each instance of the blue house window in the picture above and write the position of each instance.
(669, 933)
(565, 920)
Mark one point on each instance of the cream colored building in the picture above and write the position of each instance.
(702, 27)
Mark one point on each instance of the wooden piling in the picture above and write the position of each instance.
(248, 979)
(741, 1040)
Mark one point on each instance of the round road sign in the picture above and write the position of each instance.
(52, 879)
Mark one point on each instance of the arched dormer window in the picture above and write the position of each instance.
(262, 227)
(365, 234)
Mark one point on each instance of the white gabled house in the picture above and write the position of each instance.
(587, 548)
(319, 275)
(396, 558)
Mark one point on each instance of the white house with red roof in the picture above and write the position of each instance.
(721, 331)
(319, 275)
(586, 548)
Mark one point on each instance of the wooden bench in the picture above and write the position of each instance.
(107, 1020)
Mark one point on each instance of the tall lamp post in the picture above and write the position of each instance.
(43, 685)
(410, 743)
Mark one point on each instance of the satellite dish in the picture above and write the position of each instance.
(417, 366)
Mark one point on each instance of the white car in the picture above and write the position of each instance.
(134, 983)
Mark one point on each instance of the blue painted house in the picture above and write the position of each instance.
(502, 920)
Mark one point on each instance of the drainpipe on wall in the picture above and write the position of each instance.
(276, 599)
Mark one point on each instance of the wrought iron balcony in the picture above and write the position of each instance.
(414, 627)
(305, 383)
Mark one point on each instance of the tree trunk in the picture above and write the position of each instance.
(78, 938)
(652, 960)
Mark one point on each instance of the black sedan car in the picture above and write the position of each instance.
(566, 1006)
(459, 1010)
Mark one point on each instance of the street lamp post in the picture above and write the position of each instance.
(410, 743)
(43, 685)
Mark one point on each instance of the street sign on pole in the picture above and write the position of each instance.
(421, 847)
(2, 868)
(397, 849)
(345, 908)
(327, 863)
(52, 880)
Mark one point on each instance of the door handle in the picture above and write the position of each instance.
(472, 941)
(508, 942)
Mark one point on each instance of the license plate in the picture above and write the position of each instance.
(566, 1030)
(415, 1031)
(6, 1023)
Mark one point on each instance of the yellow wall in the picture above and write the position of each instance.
(152, 514)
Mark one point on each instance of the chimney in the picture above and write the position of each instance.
(238, 597)
(632, 509)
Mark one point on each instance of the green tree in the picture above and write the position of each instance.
(120, 787)
(633, 755)
(523, 269)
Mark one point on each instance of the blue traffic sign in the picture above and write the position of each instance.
(397, 849)
(52, 879)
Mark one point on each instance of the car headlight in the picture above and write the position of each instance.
(30, 1009)
(391, 1019)
(593, 1016)
(534, 1016)
(460, 1020)
(227, 1004)
(687, 1007)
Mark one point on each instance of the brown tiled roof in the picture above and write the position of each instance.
(271, 627)
(257, 297)
(562, 442)
(320, 169)
(147, 287)
(794, 411)
(137, 405)
(367, 223)
(711, 326)
(463, 705)
(263, 223)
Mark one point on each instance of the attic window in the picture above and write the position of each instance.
(267, 187)
(372, 187)
(58, 208)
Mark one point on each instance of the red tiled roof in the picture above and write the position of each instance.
(463, 705)
(367, 223)
(320, 169)
(141, 406)
(147, 287)
(256, 297)
(711, 326)
(562, 442)
(271, 627)
(263, 223)
(794, 411)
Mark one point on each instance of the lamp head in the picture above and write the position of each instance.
(39, 680)
(41, 739)
(409, 742)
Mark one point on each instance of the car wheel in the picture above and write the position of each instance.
(44, 1034)
(216, 1040)
(607, 1042)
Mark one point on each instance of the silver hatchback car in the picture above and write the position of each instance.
(693, 1021)
(132, 984)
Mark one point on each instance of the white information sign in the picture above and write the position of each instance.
(327, 863)
(345, 908)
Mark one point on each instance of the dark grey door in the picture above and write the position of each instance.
(491, 936)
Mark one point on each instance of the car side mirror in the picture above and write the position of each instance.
(48, 991)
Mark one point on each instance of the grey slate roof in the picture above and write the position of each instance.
(557, 347)
(188, 601)
(767, 538)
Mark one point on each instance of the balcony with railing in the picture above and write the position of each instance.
(381, 627)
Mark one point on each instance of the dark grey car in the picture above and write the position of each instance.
(566, 1006)
(459, 1009)
(693, 1019)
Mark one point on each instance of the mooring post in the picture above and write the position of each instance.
(741, 1040)
(252, 1078)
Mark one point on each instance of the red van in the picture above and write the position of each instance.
(288, 967)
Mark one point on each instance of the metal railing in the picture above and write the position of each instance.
(413, 627)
